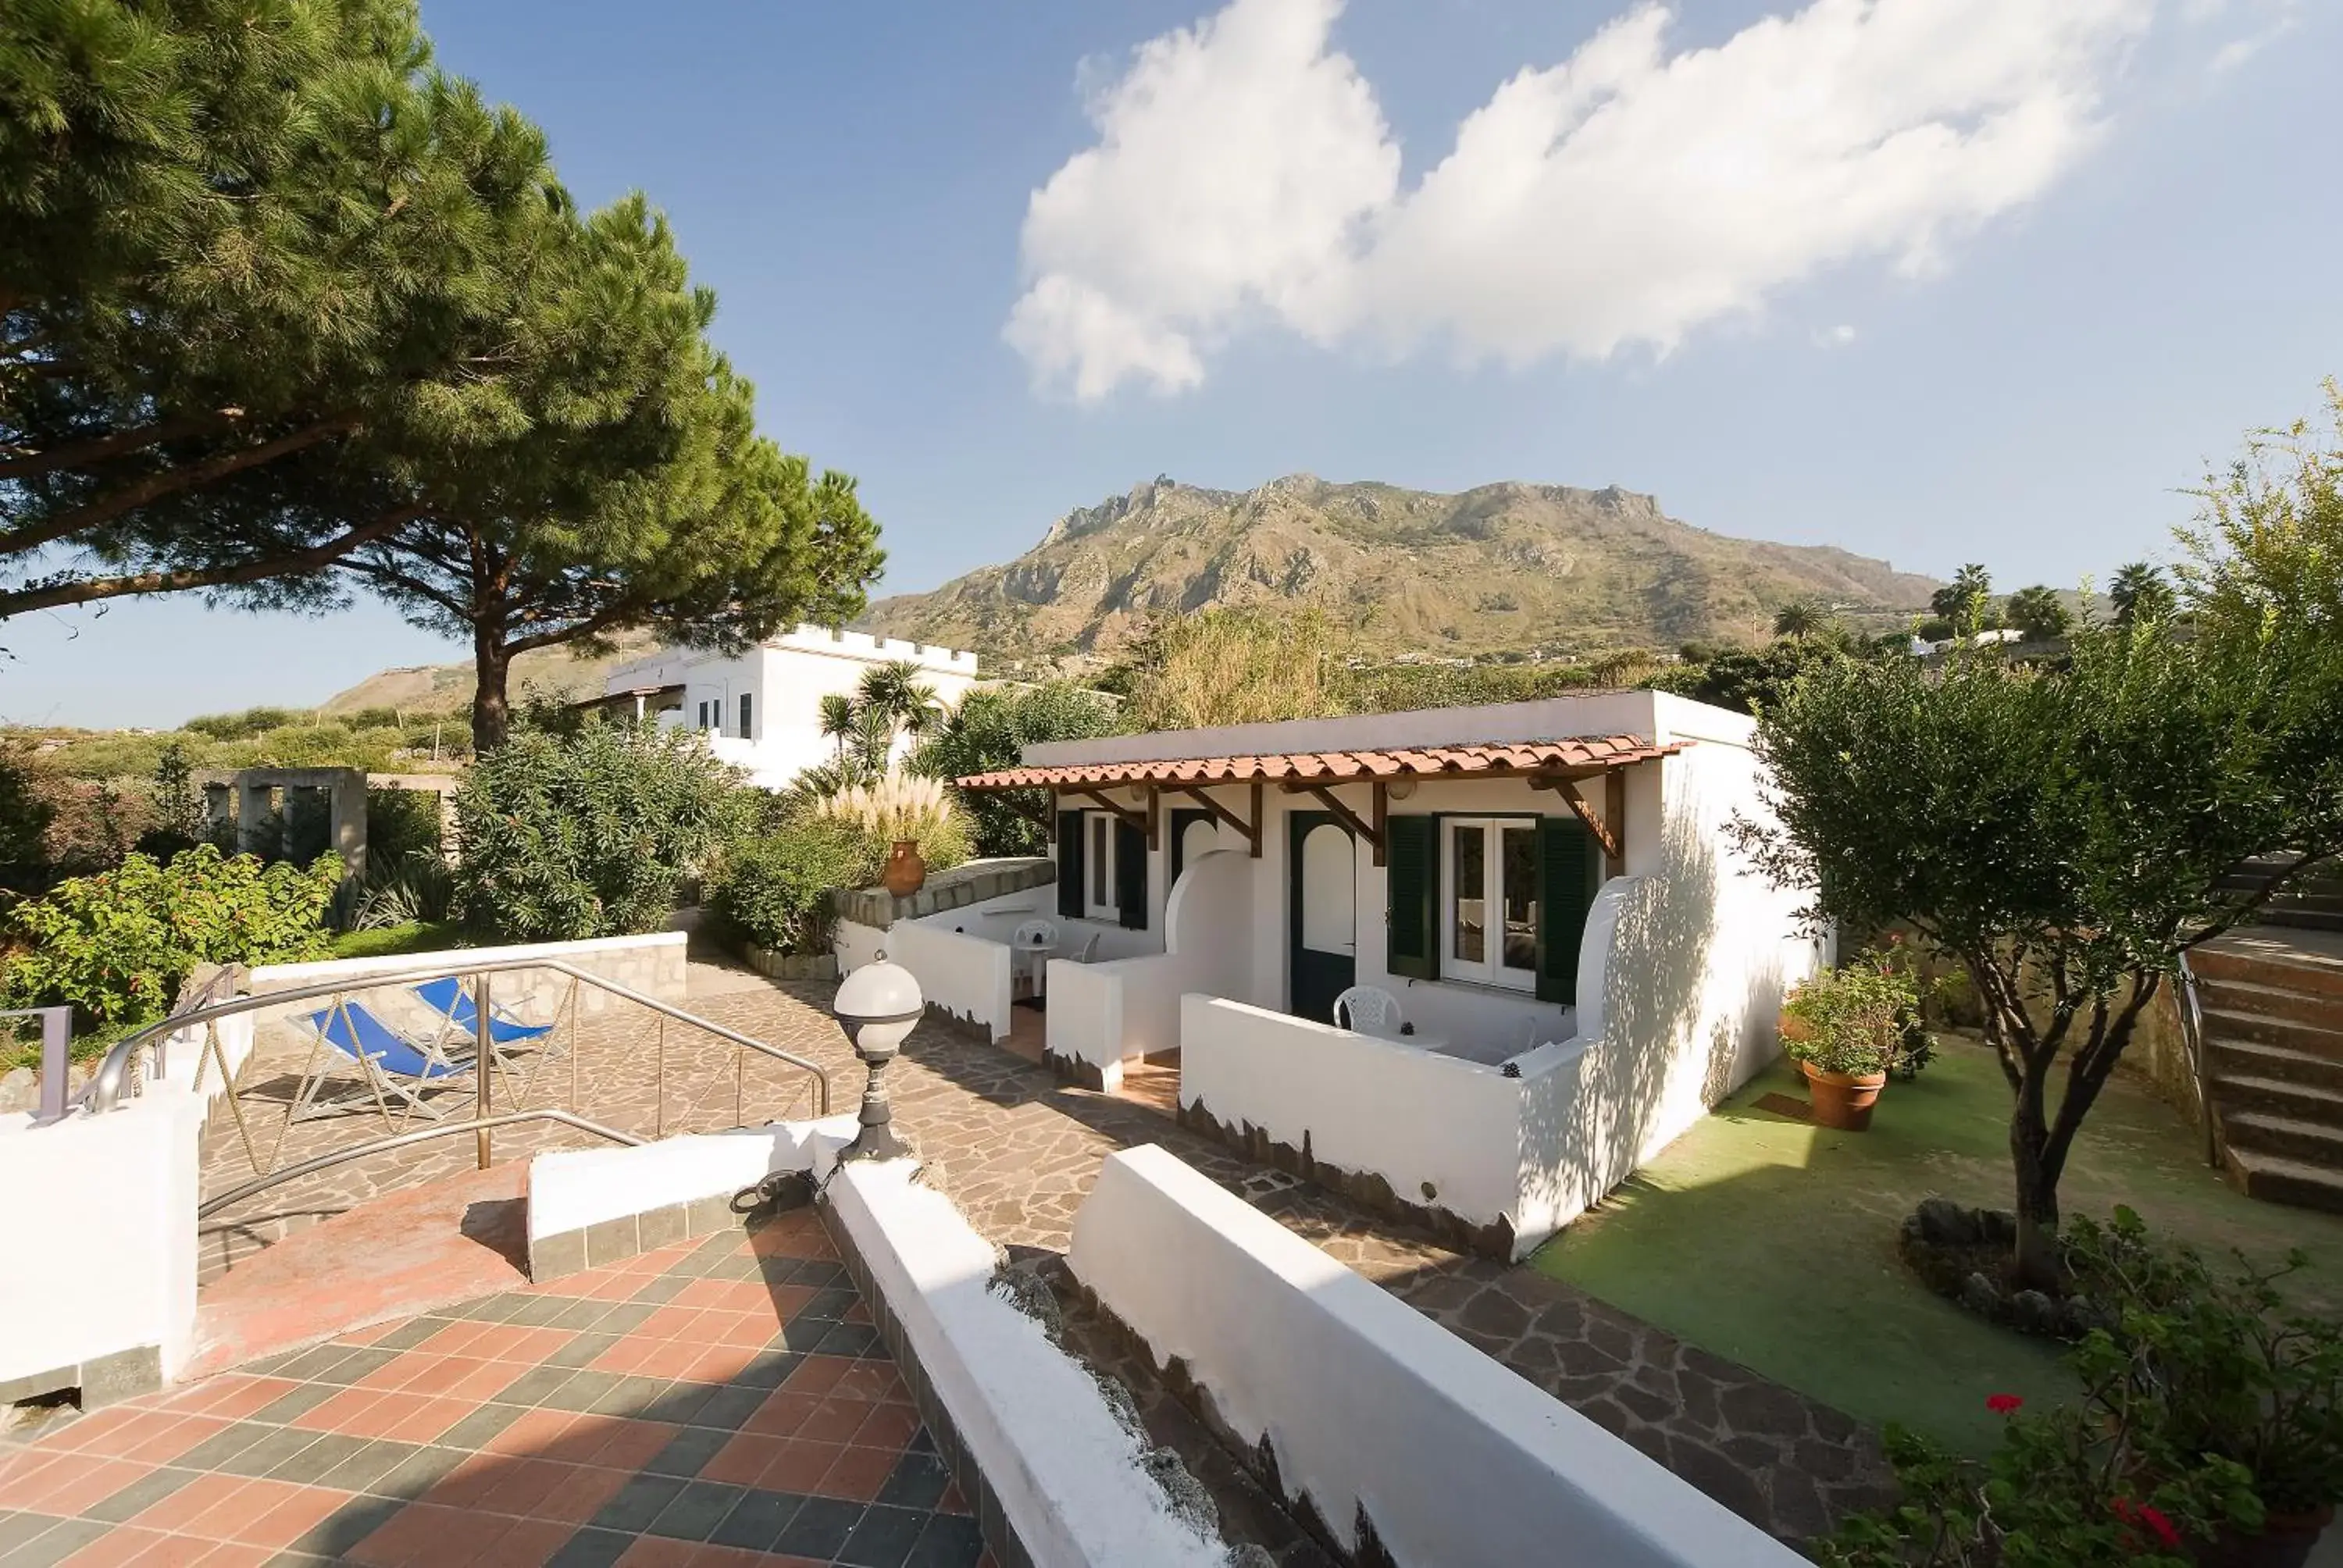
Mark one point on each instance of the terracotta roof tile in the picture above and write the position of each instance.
(1568, 755)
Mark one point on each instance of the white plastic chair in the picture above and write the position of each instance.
(1034, 933)
(1088, 950)
(1368, 1010)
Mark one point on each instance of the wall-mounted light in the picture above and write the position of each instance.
(1136, 795)
(1400, 788)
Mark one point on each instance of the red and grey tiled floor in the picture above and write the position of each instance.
(718, 1402)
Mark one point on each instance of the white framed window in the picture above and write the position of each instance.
(1489, 900)
(1100, 900)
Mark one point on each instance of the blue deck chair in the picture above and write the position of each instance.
(449, 1000)
(393, 1066)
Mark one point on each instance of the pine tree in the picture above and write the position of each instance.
(636, 491)
(254, 258)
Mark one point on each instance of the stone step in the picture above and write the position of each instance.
(2257, 957)
(2312, 1142)
(2304, 1102)
(2303, 916)
(2279, 1179)
(2220, 1023)
(2254, 1059)
(2268, 1002)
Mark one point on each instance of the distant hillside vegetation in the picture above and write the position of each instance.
(1506, 567)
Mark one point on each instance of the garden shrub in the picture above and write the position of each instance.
(774, 889)
(566, 837)
(116, 945)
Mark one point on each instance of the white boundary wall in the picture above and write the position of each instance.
(653, 964)
(97, 1246)
(1063, 1467)
(1104, 1014)
(1354, 1388)
(1444, 1132)
(571, 1189)
(967, 976)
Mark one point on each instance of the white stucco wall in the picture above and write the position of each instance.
(570, 1189)
(1064, 1467)
(965, 976)
(654, 964)
(98, 1236)
(785, 681)
(1354, 1388)
(855, 944)
(1106, 1014)
(1444, 1133)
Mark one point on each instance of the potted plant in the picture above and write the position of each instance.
(1845, 1028)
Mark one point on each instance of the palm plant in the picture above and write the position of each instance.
(838, 720)
(896, 690)
(2139, 592)
(1800, 618)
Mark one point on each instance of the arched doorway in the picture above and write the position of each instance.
(1322, 871)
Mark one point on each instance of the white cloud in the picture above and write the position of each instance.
(1837, 336)
(1243, 175)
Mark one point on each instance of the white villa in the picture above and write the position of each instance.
(1580, 961)
(761, 711)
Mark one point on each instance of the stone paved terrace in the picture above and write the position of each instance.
(723, 1403)
(1018, 1150)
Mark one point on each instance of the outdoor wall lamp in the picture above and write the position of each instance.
(877, 1006)
(1400, 788)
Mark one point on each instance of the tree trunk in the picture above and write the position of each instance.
(2038, 1200)
(491, 706)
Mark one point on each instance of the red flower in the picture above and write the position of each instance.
(2154, 1518)
(2002, 1404)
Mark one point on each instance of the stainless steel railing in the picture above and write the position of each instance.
(125, 1072)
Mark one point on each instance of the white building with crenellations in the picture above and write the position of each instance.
(761, 709)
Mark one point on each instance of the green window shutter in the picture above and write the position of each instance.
(1566, 861)
(1069, 865)
(1412, 923)
(1130, 874)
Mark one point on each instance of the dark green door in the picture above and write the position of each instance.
(1321, 881)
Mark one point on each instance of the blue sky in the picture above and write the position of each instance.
(2008, 349)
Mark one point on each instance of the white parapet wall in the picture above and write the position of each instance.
(1457, 1144)
(1103, 1015)
(654, 964)
(591, 1207)
(967, 976)
(97, 1248)
(1061, 1468)
(1374, 1413)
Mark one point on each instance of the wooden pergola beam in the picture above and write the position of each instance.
(1252, 830)
(1614, 860)
(1136, 818)
(1373, 832)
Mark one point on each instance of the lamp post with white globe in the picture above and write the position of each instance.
(877, 1006)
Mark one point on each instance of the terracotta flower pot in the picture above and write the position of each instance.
(1842, 1100)
(906, 873)
(2286, 1541)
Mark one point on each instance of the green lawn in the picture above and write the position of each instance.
(1772, 1243)
(413, 936)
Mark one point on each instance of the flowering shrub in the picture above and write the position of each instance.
(116, 946)
(1851, 1020)
(774, 890)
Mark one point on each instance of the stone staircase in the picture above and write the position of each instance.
(2312, 901)
(2273, 1008)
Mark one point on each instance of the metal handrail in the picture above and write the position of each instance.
(375, 1146)
(2192, 1035)
(107, 1084)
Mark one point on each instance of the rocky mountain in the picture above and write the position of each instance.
(551, 672)
(1502, 567)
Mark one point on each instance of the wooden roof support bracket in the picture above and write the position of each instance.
(1221, 814)
(1136, 818)
(1614, 862)
(1372, 832)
